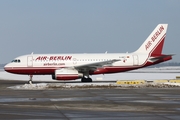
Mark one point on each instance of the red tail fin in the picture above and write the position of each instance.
(158, 49)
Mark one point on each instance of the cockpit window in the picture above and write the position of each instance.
(16, 61)
(13, 61)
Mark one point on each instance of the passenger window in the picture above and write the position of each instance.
(19, 61)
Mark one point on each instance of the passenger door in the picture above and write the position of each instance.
(135, 60)
(30, 61)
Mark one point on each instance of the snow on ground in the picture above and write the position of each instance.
(117, 76)
(176, 84)
(8, 76)
(145, 73)
(169, 69)
(42, 86)
(154, 74)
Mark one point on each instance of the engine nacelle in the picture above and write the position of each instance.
(66, 74)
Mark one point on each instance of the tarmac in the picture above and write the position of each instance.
(89, 103)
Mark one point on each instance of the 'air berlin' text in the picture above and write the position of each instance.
(54, 58)
(154, 37)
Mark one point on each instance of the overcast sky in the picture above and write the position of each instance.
(84, 26)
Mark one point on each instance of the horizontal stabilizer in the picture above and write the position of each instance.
(154, 59)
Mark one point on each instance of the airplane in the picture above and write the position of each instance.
(81, 66)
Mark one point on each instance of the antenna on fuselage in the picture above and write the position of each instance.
(106, 52)
(32, 53)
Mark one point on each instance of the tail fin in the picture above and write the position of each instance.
(153, 45)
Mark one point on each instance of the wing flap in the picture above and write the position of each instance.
(95, 65)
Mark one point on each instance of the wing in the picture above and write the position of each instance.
(95, 65)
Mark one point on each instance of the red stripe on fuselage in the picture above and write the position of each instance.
(31, 70)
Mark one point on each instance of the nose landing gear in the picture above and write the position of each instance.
(30, 79)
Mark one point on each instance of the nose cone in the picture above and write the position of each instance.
(7, 68)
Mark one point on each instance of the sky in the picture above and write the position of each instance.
(85, 26)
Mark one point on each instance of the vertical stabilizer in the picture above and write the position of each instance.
(153, 45)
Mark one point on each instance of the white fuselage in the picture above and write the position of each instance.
(74, 66)
(73, 60)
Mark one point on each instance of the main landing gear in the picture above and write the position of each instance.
(30, 79)
(86, 79)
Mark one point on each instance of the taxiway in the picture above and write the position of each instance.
(94, 104)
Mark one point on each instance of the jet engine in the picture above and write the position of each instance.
(66, 74)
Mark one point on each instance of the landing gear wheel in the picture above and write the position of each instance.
(89, 79)
(30, 80)
(86, 79)
(83, 79)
